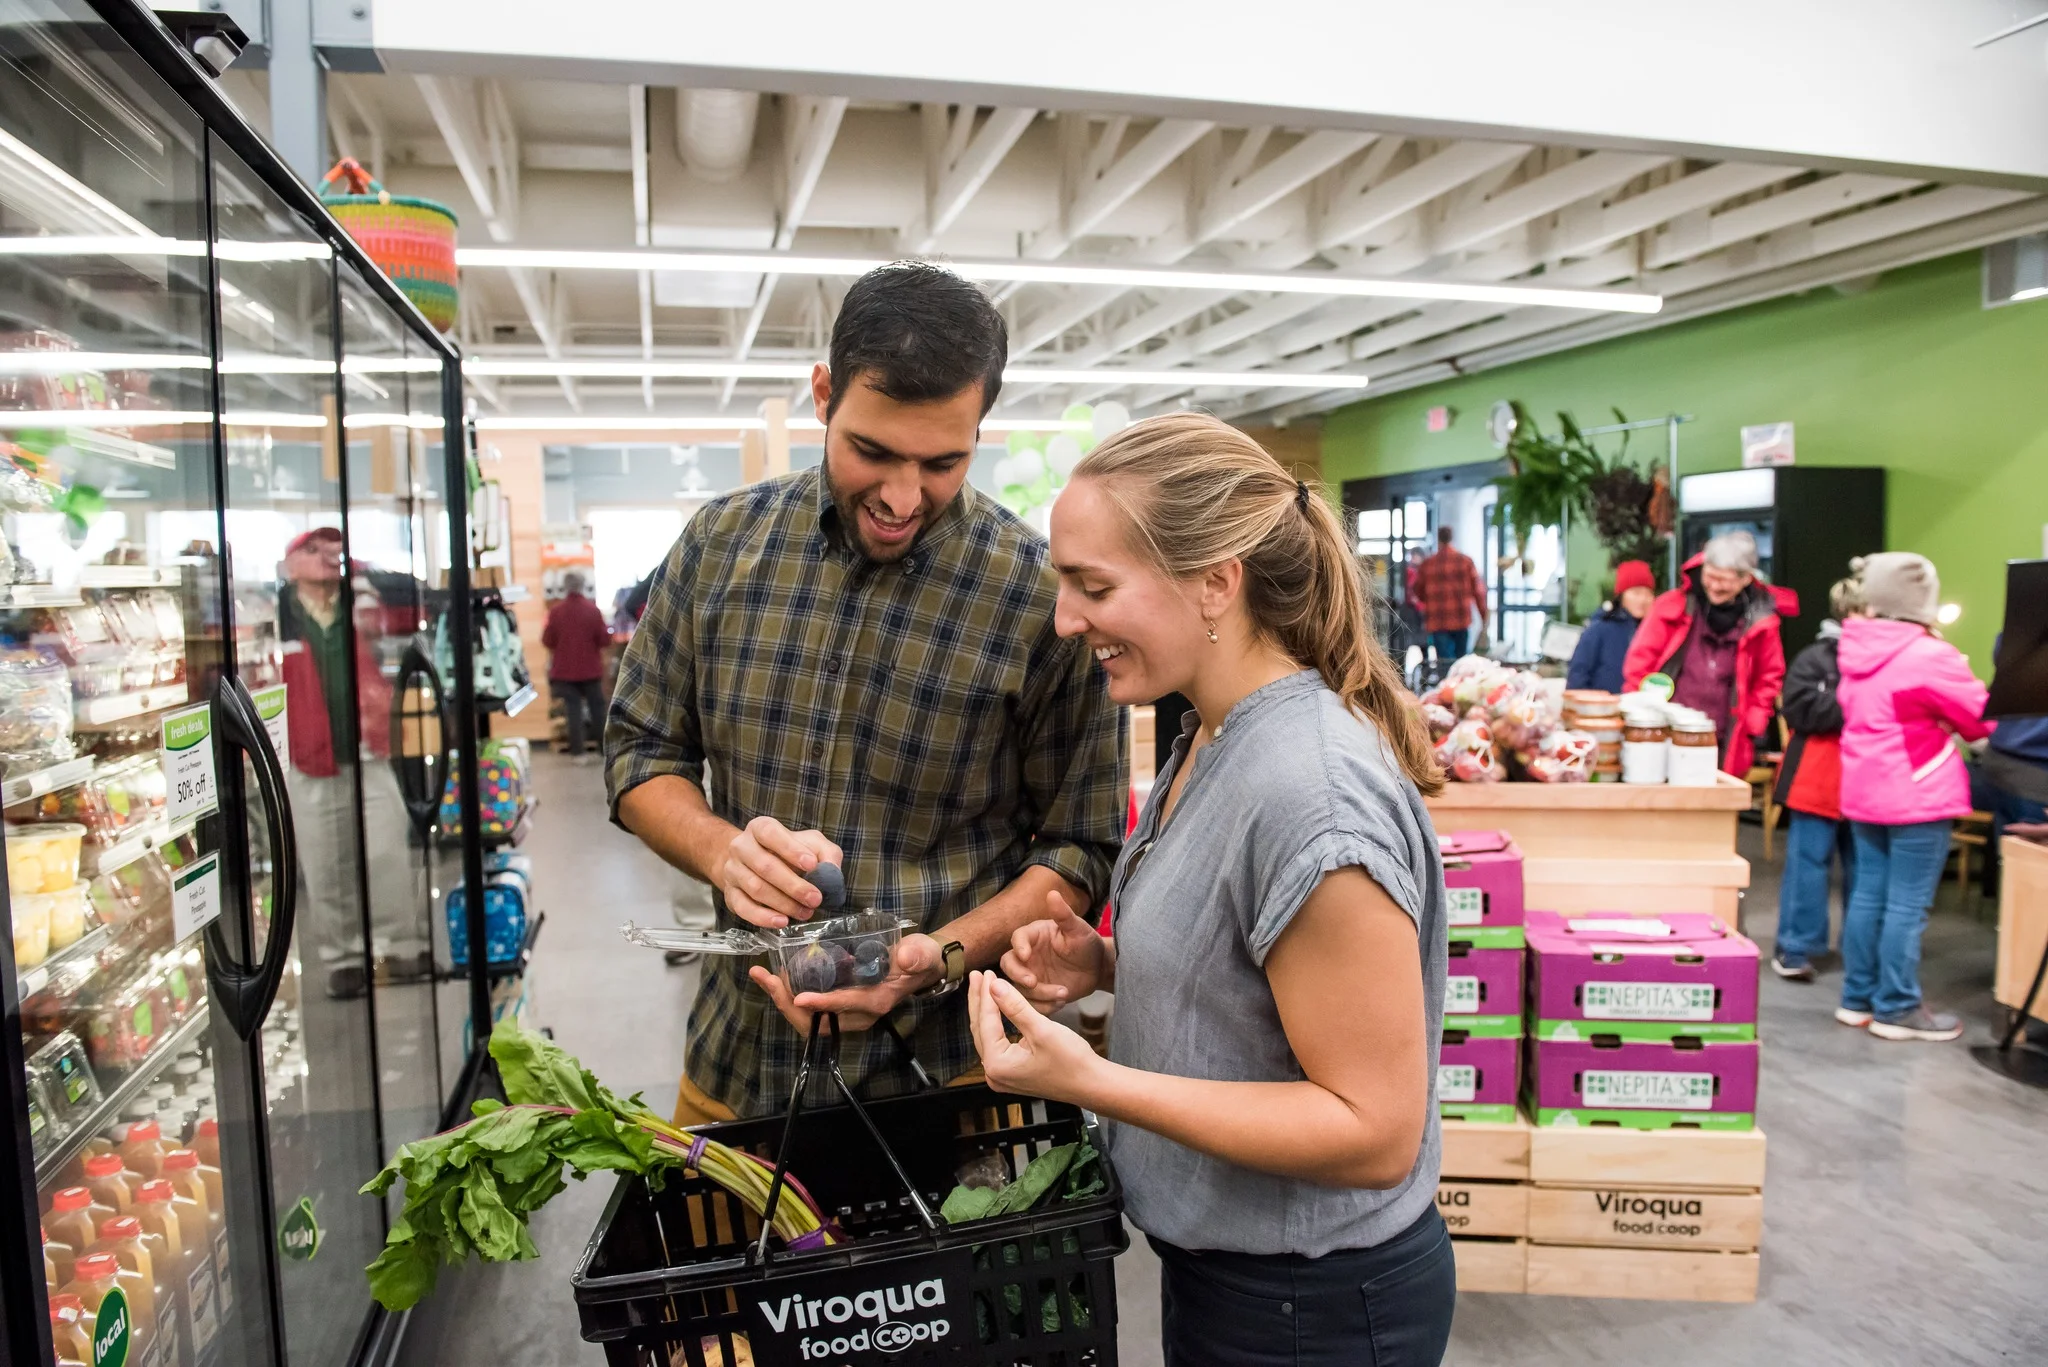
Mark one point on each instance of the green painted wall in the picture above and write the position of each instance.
(1913, 375)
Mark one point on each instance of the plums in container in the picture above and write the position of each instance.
(871, 961)
(819, 968)
(831, 885)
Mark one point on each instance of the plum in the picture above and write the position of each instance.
(815, 968)
(831, 883)
(871, 962)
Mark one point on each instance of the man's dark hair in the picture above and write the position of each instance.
(918, 333)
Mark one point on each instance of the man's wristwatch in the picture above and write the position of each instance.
(953, 956)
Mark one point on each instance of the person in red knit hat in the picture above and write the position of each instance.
(1604, 644)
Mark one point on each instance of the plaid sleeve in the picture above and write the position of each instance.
(652, 728)
(1077, 772)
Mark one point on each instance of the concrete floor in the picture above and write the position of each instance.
(1906, 1209)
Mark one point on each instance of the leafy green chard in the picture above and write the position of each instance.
(471, 1190)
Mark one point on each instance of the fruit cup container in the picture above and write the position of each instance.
(827, 954)
(43, 858)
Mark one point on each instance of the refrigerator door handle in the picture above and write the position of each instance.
(423, 806)
(241, 992)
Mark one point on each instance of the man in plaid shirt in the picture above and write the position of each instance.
(863, 656)
(1446, 588)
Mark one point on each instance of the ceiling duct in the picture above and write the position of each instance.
(715, 131)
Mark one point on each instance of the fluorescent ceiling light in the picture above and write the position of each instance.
(259, 419)
(422, 422)
(628, 368)
(261, 363)
(272, 251)
(58, 197)
(1327, 283)
(73, 362)
(2039, 291)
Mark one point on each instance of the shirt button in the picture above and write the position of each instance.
(832, 665)
(1287, 1307)
(817, 749)
(910, 565)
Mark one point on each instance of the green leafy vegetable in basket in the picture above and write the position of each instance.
(472, 1189)
(1078, 1163)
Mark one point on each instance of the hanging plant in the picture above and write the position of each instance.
(1549, 477)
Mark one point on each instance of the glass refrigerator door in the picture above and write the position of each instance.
(293, 629)
(130, 1114)
(391, 393)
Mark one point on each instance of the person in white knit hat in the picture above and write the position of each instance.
(1906, 696)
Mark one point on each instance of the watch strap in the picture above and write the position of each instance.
(953, 958)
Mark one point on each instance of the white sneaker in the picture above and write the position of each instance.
(1848, 1016)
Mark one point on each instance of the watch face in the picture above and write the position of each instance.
(1501, 423)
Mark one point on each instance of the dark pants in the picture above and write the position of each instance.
(1449, 645)
(582, 708)
(1388, 1306)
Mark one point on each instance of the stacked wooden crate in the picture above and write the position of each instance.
(1483, 1195)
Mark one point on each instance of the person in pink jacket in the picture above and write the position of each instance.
(1906, 696)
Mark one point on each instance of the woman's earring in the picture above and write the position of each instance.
(1212, 630)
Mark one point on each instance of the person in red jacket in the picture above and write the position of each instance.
(322, 662)
(1716, 636)
(576, 637)
(1810, 788)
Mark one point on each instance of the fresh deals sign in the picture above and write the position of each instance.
(862, 1317)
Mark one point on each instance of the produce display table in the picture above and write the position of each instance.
(1614, 846)
(2022, 923)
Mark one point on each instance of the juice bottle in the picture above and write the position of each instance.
(192, 1282)
(71, 1329)
(73, 1220)
(122, 1239)
(143, 1150)
(206, 1140)
(57, 1261)
(96, 1276)
(110, 1182)
(198, 1207)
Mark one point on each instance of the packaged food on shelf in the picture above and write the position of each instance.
(97, 671)
(73, 631)
(124, 1024)
(35, 710)
(49, 390)
(114, 801)
(65, 914)
(69, 1087)
(31, 931)
(43, 857)
(178, 987)
(132, 619)
(1563, 757)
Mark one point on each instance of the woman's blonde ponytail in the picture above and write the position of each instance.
(1198, 492)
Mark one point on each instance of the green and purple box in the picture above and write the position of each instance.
(1483, 888)
(1643, 1084)
(1632, 976)
(1483, 991)
(1478, 1076)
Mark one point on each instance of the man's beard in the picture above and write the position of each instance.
(848, 509)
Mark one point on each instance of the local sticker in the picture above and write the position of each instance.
(298, 1238)
(195, 896)
(1648, 1001)
(110, 1332)
(1467, 906)
(270, 705)
(1647, 1091)
(1461, 996)
(188, 762)
(1457, 1082)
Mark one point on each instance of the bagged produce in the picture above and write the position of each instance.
(35, 710)
(1562, 757)
(1467, 753)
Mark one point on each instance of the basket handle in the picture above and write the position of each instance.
(818, 1046)
(354, 180)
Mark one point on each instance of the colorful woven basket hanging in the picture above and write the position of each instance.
(413, 240)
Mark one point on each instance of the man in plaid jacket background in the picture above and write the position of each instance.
(1447, 588)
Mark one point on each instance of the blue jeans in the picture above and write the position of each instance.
(1811, 846)
(1386, 1306)
(1449, 645)
(1897, 870)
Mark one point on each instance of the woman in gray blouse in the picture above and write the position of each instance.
(1279, 954)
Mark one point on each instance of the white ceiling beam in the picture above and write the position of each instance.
(1246, 192)
(342, 90)
(609, 158)
(1687, 194)
(1103, 192)
(1540, 195)
(643, 223)
(810, 127)
(1406, 191)
(1828, 195)
(963, 165)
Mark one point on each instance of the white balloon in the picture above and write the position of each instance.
(1110, 418)
(1027, 465)
(1063, 453)
(1004, 473)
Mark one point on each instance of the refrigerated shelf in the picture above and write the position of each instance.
(84, 947)
(131, 576)
(49, 1164)
(119, 707)
(27, 787)
(127, 850)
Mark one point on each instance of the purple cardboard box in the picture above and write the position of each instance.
(1640, 976)
(1483, 883)
(1643, 1084)
(1483, 991)
(1478, 1078)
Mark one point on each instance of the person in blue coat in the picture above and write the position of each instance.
(1604, 644)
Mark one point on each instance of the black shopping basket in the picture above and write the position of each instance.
(681, 1276)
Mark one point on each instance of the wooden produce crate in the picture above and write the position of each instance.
(2022, 923)
(1643, 1217)
(1608, 1156)
(1492, 1265)
(1613, 846)
(1484, 1152)
(1494, 1210)
(1652, 1274)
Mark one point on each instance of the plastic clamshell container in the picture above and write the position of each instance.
(1644, 1084)
(1477, 1078)
(1483, 990)
(64, 912)
(43, 858)
(1633, 976)
(70, 1091)
(822, 955)
(1482, 880)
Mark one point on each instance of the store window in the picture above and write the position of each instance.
(628, 543)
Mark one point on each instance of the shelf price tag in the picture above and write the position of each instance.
(270, 707)
(195, 896)
(188, 762)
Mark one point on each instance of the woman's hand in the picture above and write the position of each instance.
(1049, 1060)
(1056, 960)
